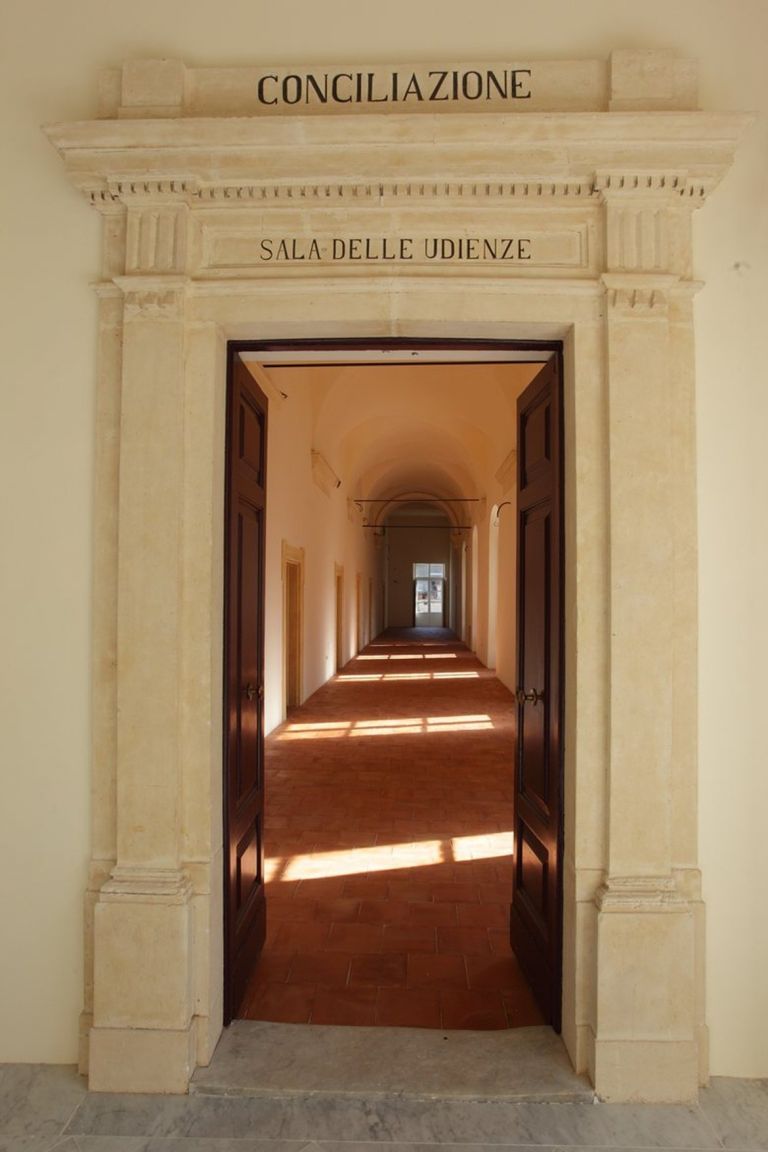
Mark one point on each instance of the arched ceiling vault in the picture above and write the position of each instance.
(436, 430)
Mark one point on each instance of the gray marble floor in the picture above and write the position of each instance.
(42, 1108)
(254, 1058)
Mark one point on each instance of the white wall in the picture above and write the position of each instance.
(506, 618)
(304, 516)
(51, 251)
(406, 547)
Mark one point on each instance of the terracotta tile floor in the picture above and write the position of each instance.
(388, 841)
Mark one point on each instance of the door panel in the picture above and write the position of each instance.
(244, 904)
(535, 922)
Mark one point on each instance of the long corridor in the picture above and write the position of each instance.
(388, 847)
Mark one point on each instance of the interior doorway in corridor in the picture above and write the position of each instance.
(293, 624)
(338, 588)
(494, 375)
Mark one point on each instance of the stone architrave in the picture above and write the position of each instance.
(570, 219)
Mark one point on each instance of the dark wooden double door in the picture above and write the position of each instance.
(244, 902)
(536, 913)
(536, 898)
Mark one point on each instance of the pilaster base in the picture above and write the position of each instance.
(646, 1071)
(144, 1032)
(141, 1059)
(647, 1031)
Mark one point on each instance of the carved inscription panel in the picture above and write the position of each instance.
(234, 244)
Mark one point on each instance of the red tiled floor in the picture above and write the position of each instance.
(483, 915)
(454, 892)
(283, 1003)
(499, 972)
(423, 914)
(472, 1008)
(325, 969)
(498, 938)
(273, 968)
(436, 971)
(345, 1006)
(521, 1008)
(387, 970)
(354, 938)
(409, 1008)
(405, 938)
(292, 909)
(340, 910)
(300, 936)
(388, 847)
(465, 941)
(387, 912)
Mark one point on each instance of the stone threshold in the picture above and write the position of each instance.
(254, 1058)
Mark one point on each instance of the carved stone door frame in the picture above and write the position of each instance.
(605, 199)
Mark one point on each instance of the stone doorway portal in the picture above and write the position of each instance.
(208, 206)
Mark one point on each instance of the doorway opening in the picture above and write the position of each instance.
(339, 615)
(428, 595)
(383, 661)
(293, 625)
(359, 612)
(388, 857)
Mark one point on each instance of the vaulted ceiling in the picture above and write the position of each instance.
(402, 430)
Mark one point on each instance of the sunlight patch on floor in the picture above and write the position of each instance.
(361, 677)
(385, 857)
(412, 726)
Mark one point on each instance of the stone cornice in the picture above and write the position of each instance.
(624, 186)
(364, 157)
(627, 186)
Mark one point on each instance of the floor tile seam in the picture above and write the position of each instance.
(36, 1142)
(710, 1124)
(298, 1144)
(542, 1146)
(63, 1133)
(301, 1144)
(60, 1141)
(141, 1141)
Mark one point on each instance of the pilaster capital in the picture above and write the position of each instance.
(156, 214)
(153, 297)
(635, 295)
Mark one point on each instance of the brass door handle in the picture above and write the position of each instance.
(252, 691)
(532, 696)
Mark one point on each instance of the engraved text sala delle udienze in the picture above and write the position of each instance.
(368, 248)
(430, 86)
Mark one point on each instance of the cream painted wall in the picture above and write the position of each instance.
(506, 622)
(304, 516)
(406, 547)
(51, 54)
